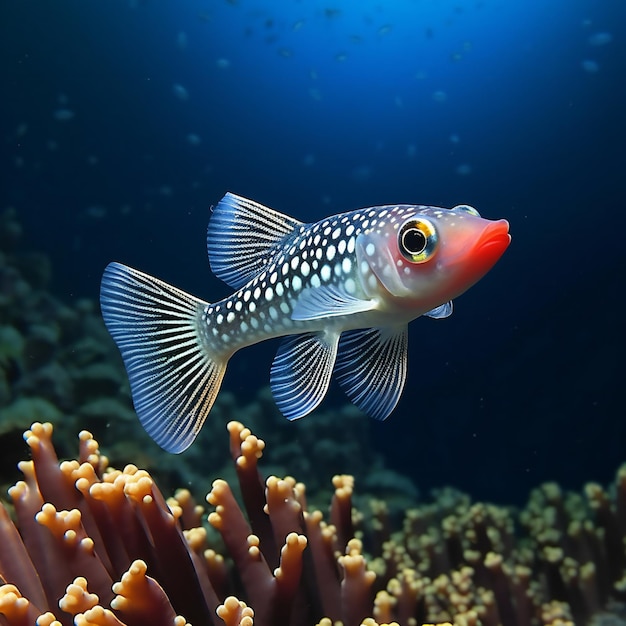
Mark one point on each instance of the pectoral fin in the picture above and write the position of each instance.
(328, 301)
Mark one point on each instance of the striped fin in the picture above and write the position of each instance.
(301, 371)
(371, 368)
(242, 236)
(328, 301)
(174, 379)
(441, 311)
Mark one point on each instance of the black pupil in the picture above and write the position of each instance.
(414, 241)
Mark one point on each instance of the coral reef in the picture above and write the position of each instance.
(55, 359)
(95, 546)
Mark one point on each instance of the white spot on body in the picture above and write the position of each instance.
(325, 273)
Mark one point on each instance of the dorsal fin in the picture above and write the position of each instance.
(242, 237)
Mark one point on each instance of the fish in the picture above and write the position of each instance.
(340, 293)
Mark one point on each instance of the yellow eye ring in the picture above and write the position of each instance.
(417, 240)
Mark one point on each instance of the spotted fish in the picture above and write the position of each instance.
(340, 291)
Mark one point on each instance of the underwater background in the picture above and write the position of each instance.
(123, 122)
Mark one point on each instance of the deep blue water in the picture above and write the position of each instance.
(122, 122)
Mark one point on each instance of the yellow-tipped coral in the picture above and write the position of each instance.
(102, 547)
(81, 528)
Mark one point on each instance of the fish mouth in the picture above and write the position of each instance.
(494, 240)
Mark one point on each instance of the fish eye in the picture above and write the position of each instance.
(417, 240)
(466, 208)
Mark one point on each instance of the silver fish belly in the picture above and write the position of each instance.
(341, 291)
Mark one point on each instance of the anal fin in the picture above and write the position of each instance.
(301, 371)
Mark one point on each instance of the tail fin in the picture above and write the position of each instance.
(174, 379)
